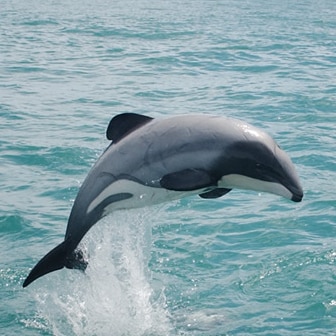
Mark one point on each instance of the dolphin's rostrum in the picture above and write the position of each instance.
(156, 160)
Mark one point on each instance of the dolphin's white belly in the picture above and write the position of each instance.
(139, 195)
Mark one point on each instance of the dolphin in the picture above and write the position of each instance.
(150, 161)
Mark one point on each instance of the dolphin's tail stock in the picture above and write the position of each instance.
(55, 260)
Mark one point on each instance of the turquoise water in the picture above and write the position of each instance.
(244, 264)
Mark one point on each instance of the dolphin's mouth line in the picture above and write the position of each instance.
(297, 197)
(297, 194)
(295, 190)
(271, 175)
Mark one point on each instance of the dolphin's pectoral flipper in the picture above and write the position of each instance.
(77, 260)
(53, 261)
(215, 193)
(188, 180)
(123, 124)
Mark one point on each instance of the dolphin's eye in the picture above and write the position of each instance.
(263, 169)
(268, 172)
(260, 166)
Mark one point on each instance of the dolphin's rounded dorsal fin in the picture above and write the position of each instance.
(123, 124)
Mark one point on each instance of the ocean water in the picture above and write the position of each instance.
(244, 264)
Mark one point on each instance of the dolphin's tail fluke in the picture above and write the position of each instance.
(55, 260)
(52, 261)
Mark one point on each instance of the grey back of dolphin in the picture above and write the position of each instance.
(155, 160)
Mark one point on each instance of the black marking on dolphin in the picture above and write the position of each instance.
(125, 123)
(156, 160)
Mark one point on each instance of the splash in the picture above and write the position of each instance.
(115, 295)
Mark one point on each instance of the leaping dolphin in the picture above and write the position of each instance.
(156, 160)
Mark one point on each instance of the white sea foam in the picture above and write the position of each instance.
(115, 295)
